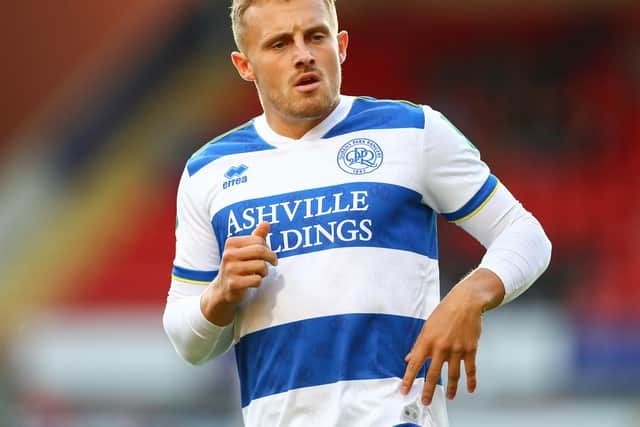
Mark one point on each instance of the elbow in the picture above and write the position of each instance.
(193, 354)
(540, 246)
(546, 249)
(549, 250)
(194, 358)
(189, 346)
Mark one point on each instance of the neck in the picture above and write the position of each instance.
(292, 127)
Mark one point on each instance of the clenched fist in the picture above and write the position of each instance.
(243, 266)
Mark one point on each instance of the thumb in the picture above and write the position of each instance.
(262, 230)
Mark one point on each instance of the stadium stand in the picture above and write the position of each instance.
(552, 101)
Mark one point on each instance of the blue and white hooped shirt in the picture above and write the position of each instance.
(352, 207)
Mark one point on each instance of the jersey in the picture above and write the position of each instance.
(352, 207)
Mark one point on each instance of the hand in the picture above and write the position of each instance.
(243, 266)
(451, 334)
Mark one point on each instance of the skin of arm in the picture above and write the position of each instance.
(518, 251)
(243, 266)
(451, 334)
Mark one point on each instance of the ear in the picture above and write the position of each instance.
(243, 66)
(343, 43)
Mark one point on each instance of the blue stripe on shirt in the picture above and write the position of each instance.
(370, 113)
(476, 201)
(243, 139)
(361, 214)
(324, 350)
(193, 275)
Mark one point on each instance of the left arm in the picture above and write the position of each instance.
(518, 251)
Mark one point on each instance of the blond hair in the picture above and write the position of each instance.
(239, 7)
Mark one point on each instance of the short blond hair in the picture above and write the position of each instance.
(239, 7)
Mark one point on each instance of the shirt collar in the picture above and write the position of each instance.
(335, 117)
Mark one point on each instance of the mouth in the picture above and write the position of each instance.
(307, 82)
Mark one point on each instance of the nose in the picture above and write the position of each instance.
(303, 55)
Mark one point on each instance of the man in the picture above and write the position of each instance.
(307, 237)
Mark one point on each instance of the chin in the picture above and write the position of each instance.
(312, 108)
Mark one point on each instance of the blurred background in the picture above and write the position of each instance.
(103, 102)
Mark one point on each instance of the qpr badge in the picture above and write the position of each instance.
(360, 156)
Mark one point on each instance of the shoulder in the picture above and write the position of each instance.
(242, 139)
(440, 129)
(371, 113)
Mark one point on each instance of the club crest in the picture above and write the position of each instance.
(360, 156)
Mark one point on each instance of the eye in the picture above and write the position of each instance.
(318, 37)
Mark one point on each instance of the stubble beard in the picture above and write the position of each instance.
(307, 106)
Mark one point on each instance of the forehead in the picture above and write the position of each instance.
(267, 17)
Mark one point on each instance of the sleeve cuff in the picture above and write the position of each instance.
(200, 325)
(508, 274)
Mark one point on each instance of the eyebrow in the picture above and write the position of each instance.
(320, 28)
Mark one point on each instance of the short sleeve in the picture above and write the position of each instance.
(458, 183)
(197, 256)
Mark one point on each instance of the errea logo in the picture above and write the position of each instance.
(235, 176)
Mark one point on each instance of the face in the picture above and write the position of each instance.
(293, 54)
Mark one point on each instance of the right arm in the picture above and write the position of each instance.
(207, 286)
(193, 336)
(199, 319)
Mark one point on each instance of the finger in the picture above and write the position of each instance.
(414, 361)
(246, 268)
(243, 241)
(261, 252)
(454, 377)
(470, 370)
(431, 380)
(241, 283)
(250, 253)
(262, 230)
